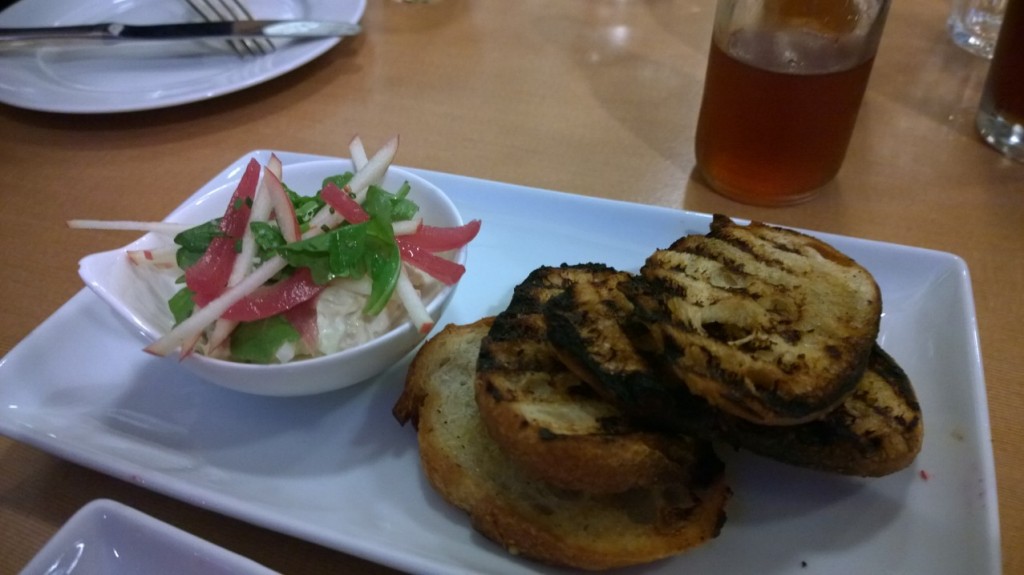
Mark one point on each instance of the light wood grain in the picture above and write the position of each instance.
(594, 97)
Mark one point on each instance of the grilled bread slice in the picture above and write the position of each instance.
(585, 328)
(768, 324)
(876, 430)
(549, 421)
(529, 517)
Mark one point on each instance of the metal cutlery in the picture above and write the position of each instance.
(113, 31)
(222, 10)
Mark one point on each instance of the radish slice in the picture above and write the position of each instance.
(165, 228)
(222, 329)
(208, 277)
(358, 153)
(271, 300)
(189, 344)
(435, 239)
(275, 166)
(413, 304)
(374, 169)
(259, 212)
(407, 227)
(284, 210)
(343, 204)
(236, 217)
(441, 269)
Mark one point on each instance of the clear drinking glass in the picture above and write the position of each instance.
(784, 84)
(1001, 114)
(974, 24)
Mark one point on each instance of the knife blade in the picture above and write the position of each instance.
(117, 32)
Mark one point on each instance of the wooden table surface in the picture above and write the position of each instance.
(594, 97)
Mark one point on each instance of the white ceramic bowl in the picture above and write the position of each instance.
(140, 295)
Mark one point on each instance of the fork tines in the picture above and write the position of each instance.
(227, 10)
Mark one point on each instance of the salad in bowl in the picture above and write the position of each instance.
(287, 274)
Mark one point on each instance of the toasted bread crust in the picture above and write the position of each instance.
(877, 430)
(768, 324)
(530, 517)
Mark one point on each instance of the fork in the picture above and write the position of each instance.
(225, 10)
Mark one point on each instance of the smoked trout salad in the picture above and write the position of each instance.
(282, 276)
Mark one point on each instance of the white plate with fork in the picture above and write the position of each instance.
(91, 79)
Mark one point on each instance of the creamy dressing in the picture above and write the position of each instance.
(341, 323)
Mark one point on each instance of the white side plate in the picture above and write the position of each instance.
(108, 538)
(87, 79)
(337, 469)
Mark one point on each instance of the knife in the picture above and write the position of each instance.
(113, 31)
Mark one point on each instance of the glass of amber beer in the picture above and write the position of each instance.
(784, 83)
(1001, 114)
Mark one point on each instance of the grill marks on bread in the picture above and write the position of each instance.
(586, 330)
(876, 430)
(547, 419)
(768, 324)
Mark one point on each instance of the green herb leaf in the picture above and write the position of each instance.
(305, 209)
(393, 207)
(402, 207)
(268, 239)
(385, 263)
(181, 305)
(347, 251)
(338, 253)
(258, 341)
(305, 206)
(194, 241)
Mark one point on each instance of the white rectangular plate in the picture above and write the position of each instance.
(108, 538)
(336, 469)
